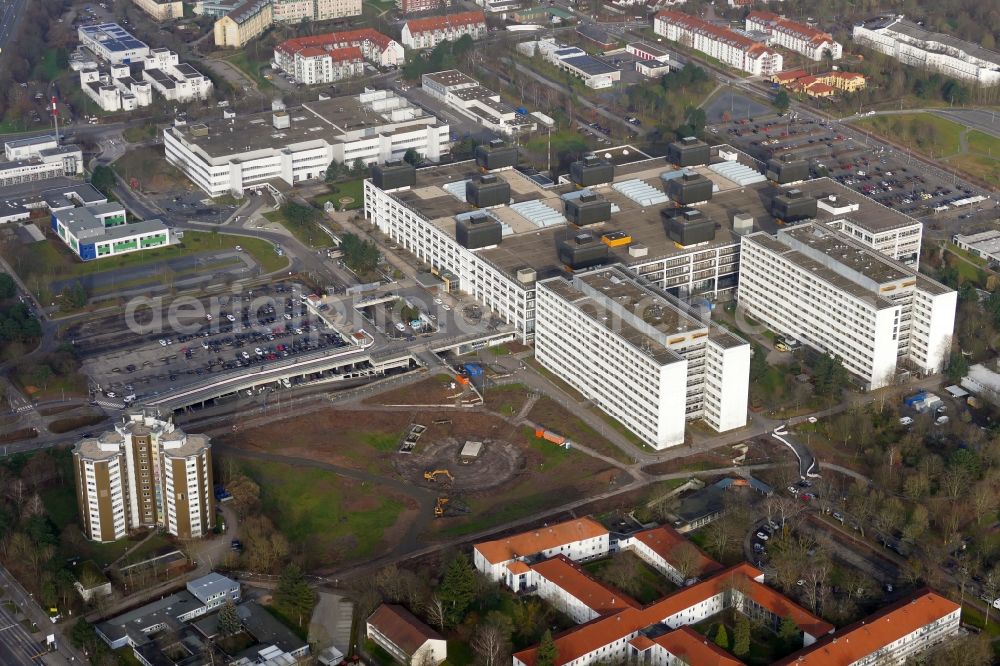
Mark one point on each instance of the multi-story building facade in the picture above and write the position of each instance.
(96, 232)
(464, 94)
(231, 156)
(246, 22)
(822, 287)
(579, 539)
(112, 43)
(912, 45)
(161, 10)
(810, 42)
(426, 33)
(735, 50)
(416, 6)
(145, 473)
(641, 355)
(174, 80)
(38, 158)
(336, 55)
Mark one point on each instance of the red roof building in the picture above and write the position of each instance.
(305, 58)
(426, 33)
(733, 49)
(798, 37)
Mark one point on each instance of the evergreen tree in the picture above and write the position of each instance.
(294, 595)
(782, 101)
(458, 588)
(722, 637)
(547, 652)
(103, 179)
(741, 635)
(229, 619)
(788, 633)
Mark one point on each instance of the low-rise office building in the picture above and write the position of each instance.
(733, 49)
(912, 45)
(230, 156)
(426, 33)
(161, 10)
(116, 89)
(324, 58)
(96, 232)
(633, 350)
(144, 473)
(464, 94)
(112, 43)
(176, 81)
(593, 72)
(799, 37)
(820, 286)
(38, 158)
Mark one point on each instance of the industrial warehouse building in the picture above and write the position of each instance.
(633, 350)
(843, 298)
(230, 156)
(464, 94)
(144, 473)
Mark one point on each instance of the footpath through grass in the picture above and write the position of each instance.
(308, 233)
(924, 132)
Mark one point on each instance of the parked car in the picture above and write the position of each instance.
(906, 421)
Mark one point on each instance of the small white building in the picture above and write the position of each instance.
(593, 72)
(174, 80)
(464, 94)
(116, 90)
(95, 232)
(214, 590)
(320, 58)
(409, 641)
(985, 245)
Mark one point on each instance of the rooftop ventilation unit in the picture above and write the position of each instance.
(590, 171)
(688, 152)
(394, 175)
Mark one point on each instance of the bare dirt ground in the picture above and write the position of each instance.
(435, 390)
(498, 462)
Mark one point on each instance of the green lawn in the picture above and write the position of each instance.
(251, 68)
(981, 142)
(310, 234)
(140, 133)
(983, 167)
(924, 132)
(562, 140)
(354, 189)
(48, 67)
(60, 504)
(38, 264)
(324, 508)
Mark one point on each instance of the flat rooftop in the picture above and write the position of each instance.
(113, 37)
(451, 77)
(915, 32)
(870, 214)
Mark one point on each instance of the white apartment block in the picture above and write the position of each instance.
(912, 45)
(426, 33)
(810, 42)
(174, 80)
(733, 49)
(145, 473)
(822, 287)
(161, 10)
(634, 351)
(233, 155)
(38, 158)
(579, 539)
(336, 55)
(112, 43)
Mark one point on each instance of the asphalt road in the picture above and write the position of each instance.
(11, 11)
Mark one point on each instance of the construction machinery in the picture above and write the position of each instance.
(449, 508)
(433, 475)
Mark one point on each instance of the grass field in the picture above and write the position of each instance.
(930, 134)
(339, 516)
(550, 414)
(646, 585)
(310, 234)
(151, 169)
(140, 133)
(38, 264)
(251, 68)
(354, 189)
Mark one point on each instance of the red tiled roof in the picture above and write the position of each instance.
(432, 23)
(402, 628)
(859, 640)
(586, 638)
(790, 75)
(801, 30)
(820, 88)
(726, 35)
(593, 593)
(333, 40)
(664, 539)
(346, 53)
(536, 541)
(693, 648)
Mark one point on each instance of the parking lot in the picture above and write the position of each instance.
(196, 206)
(892, 179)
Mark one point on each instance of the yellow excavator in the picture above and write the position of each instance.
(433, 475)
(448, 508)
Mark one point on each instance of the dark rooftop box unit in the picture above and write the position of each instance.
(792, 206)
(587, 209)
(784, 171)
(478, 230)
(487, 191)
(689, 151)
(688, 227)
(393, 175)
(691, 188)
(496, 155)
(590, 171)
(582, 251)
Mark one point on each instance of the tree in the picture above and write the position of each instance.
(758, 363)
(334, 171)
(294, 594)
(741, 635)
(830, 376)
(103, 179)
(75, 295)
(782, 101)
(686, 559)
(491, 640)
(547, 652)
(229, 619)
(359, 167)
(7, 286)
(246, 495)
(789, 634)
(434, 610)
(722, 637)
(458, 588)
(957, 367)
(411, 156)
